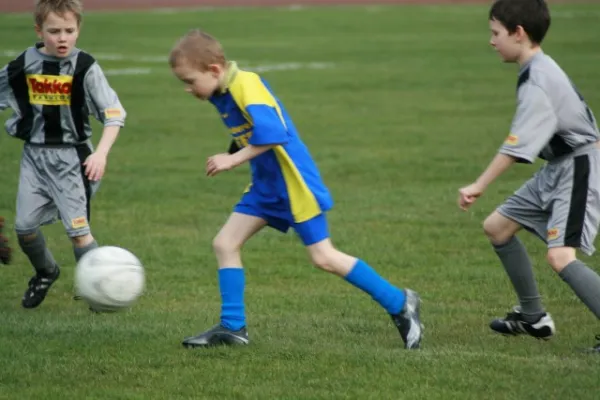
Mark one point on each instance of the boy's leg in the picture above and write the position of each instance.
(574, 225)
(81, 245)
(5, 250)
(227, 246)
(524, 209)
(72, 192)
(584, 281)
(34, 208)
(402, 305)
(501, 232)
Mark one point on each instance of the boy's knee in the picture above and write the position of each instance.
(328, 258)
(26, 228)
(498, 228)
(25, 238)
(560, 257)
(224, 245)
(322, 260)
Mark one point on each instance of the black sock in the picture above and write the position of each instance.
(80, 251)
(585, 283)
(40, 257)
(518, 267)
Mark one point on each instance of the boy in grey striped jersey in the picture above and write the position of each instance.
(561, 203)
(52, 88)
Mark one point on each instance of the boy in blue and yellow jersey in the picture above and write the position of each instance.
(286, 190)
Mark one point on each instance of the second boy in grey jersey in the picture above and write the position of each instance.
(561, 202)
(52, 89)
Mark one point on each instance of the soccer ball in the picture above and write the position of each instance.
(109, 278)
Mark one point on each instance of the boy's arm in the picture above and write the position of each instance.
(268, 125)
(4, 88)
(106, 107)
(109, 137)
(227, 161)
(248, 153)
(533, 126)
(103, 100)
(256, 101)
(233, 147)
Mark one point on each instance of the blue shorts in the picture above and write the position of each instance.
(310, 232)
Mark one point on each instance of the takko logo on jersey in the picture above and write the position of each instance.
(50, 90)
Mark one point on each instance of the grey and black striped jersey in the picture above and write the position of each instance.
(52, 98)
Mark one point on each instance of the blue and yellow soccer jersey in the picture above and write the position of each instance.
(285, 179)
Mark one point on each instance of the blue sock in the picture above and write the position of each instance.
(231, 283)
(365, 278)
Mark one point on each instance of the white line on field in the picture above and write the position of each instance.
(287, 66)
(106, 57)
(127, 71)
(257, 68)
(290, 66)
(121, 57)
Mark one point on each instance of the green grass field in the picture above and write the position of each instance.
(406, 105)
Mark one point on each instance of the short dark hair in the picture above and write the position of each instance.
(532, 15)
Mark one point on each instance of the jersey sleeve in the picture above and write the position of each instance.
(257, 102)
(102, 100)
(4, 88)
(533, 125)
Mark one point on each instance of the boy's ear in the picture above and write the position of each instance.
(215, 69)
(520, 34)
(38, 30)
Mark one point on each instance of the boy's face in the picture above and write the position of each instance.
(59, 34)
(201, 84)
(506, 44)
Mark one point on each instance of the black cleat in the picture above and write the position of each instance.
(514, 324)
(217, 336)
(408, 321)
(596, 348)
(38, 288)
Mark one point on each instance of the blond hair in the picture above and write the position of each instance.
(60, 7)
(198, 49)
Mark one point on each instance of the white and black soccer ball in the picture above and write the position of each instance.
(109, 278)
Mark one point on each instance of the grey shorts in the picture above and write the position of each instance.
(561, 202)
(52, 186)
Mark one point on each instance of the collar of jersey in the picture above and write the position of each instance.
(232, 70)
(537, 55)
(69, 58)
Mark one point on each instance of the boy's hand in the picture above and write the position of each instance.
(218, 163)
(95, 165)
(468, 194)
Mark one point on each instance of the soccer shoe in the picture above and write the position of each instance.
(217, 335)
(596, 348)
(514, 324)
(38, 288)
(408, 321)
(5, 250)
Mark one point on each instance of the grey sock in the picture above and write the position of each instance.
(516, 262)
(585, 283)
(80, 251)
(40, 257)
